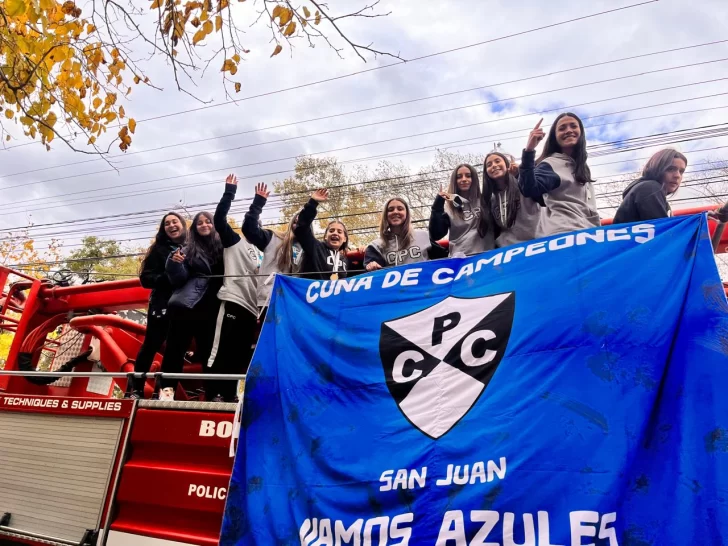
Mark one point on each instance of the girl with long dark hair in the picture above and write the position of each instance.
(560, 180)
(196, 274)
(459, 212)
(327, 257)
(646, 198)
(170, 236)
(398, 243)
(517, 217)
(282, 253)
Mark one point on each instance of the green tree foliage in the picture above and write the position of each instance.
(96, 258)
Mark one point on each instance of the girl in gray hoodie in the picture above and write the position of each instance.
(459, 212)
(398, 243)
(560, 180)
(517, 218)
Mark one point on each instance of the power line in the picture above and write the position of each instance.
(361, 126)
(239, 208)
(229, 168)
(390, 105)
(135, 214)
(376, 192)
(354, 230)
(381, 67)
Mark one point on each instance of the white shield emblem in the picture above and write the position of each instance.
(439, 361)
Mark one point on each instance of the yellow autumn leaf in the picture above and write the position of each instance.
(132, 125)
(13, 8)
(317, 20)
(290, 29)
(236, 58)
(218, 23)
(136, 79)
(92, 140)
(7, 138)
(237, 87)
(276, 11)
(286, 15)
(156, 4)
(228, 66)
(222, 5)
(9, 114)
(207, 27)
(306, 12)
(199, 36)
(277, 50)
(122, 113)
(97, 102)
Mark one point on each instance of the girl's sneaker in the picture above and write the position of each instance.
(166, 394)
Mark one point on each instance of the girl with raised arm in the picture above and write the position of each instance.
(170, 236)
(560, 180)
(196, 274)
(282, 253)
(646, 198)
(398, 243)
(237, 317)
(516, 217)
(326, 258)
(459, 212)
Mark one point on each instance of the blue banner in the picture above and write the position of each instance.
(570, 391)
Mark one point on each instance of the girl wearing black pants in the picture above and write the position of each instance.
(170, 236)
(196, 273)
(237, 318)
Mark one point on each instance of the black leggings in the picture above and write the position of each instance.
(184, 326)
(157, 327)
(231, 351)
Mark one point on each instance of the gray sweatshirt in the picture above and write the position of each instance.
(239, 256)
(268, 243)
(570, 206)
(527, 225)
(462, 228)
(391, 252)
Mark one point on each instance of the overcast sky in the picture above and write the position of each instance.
(414, 28)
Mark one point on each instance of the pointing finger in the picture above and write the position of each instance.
(538, 125)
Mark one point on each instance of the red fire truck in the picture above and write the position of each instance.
(79, 463)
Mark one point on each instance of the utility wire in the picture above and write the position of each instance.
(238, 209)
(21, 267)
(382, 67)
(197, 184)
(242, 201)
(331, 131)
(410, 101)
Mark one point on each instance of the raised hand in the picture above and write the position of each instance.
(320, 195)
(231, 179)
(535, 136)
(178, 256)
(262, 190)
(373, 266)
(442, 193)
